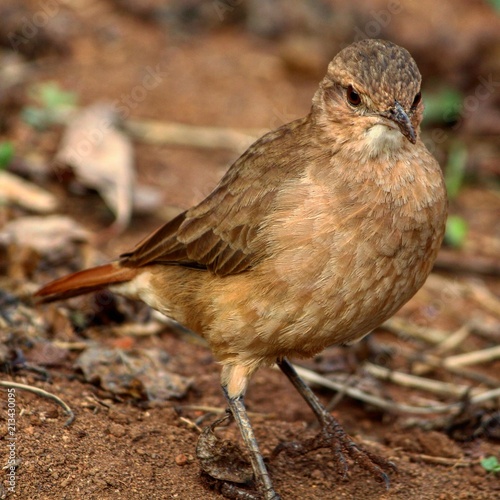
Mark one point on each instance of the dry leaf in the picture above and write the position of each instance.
(220, 458)
(147, 199)
(140, 374)
(101, 158)
(46, 353)
(17, 191)
(43, 234)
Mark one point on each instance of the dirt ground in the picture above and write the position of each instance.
(245, 66)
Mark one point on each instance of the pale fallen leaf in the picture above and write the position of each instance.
(147, 199)
(101, 157)
(46, 353)
(14, 190)
(137, 373)
(44, 234)
(220, 458)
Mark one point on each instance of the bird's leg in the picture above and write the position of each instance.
(331, 434)
(261, 474)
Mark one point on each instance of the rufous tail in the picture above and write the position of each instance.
(85, 281)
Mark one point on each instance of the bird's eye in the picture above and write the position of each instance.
(353, 97)
(416, 101)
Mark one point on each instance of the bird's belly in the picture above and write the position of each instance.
(335, 291)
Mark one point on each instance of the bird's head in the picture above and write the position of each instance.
(371, 93)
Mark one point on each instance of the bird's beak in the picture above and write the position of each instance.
(398, 115)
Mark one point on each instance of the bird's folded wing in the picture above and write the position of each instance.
(221, 233)
(218, 235)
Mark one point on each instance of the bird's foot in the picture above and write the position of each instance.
(225, 467)
(333, 436)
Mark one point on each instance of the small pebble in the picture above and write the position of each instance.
(317, 474)
(117, 430)
(118, 417)
(181, 459)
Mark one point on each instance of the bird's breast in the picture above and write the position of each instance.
(352, 253)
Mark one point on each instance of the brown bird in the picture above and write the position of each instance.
(318, 233)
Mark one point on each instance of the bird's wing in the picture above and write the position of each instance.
(221, 233)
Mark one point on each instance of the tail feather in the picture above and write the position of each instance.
(85, 281)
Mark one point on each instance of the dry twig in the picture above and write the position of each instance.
(425, 384)
(448, 260)
(455, 462)
(473, 358)
(179, 134)
(392, 406)
(422, 363)
(453, 340)
(405, 329)
(44, 394)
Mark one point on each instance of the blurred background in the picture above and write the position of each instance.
(115, 115)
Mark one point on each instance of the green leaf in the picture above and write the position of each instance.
(6, 154)
(51, 104)
(456, 231)
(495, 4)
(491, 464)
(443, 106)
(50, 95)
(35, 117)
(455, 169)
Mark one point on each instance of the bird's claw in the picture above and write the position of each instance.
(333, 436)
